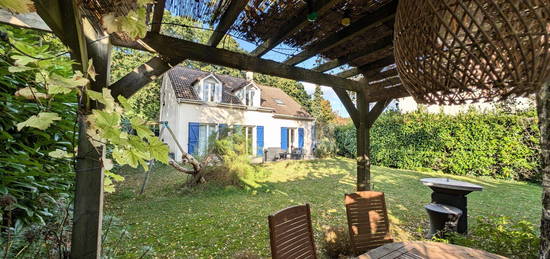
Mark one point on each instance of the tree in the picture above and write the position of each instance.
(320, 108)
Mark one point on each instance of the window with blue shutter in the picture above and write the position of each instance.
(193, 137)
(301, 137)
(284, 138)
(260, 140)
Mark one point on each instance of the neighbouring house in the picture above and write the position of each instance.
(408, 104)
(199, 105)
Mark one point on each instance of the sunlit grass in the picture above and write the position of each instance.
(214, 221)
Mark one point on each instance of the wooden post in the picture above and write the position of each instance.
(363, 139)
(543, 108)
(88, 204)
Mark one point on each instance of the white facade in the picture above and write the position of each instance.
(180, 113)
(408, 104)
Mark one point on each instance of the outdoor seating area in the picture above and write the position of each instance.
(367, 52)
(291, 233)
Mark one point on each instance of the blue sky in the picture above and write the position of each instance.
(282, 52)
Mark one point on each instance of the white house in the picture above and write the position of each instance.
(198, 105)
(408, 104)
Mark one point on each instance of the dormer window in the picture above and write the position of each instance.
(210, 90)
(250, 95)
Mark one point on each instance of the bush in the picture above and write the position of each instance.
(484, 144)
(336, 242)
(325, 148)
(235, 167)
(501, 236)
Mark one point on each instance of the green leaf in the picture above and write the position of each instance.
(62, 85)
(22, 60)
(91, 69)
(96, 96)
(141, 128)
(17, 6)
(109, 101)
(30, 93)
(108, 185)
(58, 153)
(104, 119)
(107, 164)
(41, 121)
(158, 150)
(16, 69)
(125, 104)
(115, 177)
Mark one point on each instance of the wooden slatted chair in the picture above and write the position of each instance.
(291, 234)
(367, 220)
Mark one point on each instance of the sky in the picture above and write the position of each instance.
(282, 52)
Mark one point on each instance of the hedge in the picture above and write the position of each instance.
(483, 144)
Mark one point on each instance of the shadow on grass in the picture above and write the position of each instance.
(217, 221)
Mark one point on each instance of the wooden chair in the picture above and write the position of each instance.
(291, 234)
(367, 220)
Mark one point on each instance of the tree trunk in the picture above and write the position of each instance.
(543, 108)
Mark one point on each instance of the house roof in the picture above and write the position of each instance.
(183, 78)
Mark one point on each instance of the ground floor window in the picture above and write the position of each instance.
(202, 136)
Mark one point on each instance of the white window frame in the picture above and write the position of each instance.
(211, 92)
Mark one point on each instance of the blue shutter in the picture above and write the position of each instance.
(301, 137)
(193, 138)
(284, 138)
(260, 140)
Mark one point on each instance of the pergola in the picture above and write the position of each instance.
(366, 45)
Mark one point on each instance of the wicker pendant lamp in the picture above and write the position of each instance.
(462, 51)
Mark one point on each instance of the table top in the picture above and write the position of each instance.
(451, 184)
(428, 250)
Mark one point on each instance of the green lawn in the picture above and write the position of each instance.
(216, 222)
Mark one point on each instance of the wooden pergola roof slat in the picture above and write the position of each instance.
(227, 19)
(294, 25)
(385, 13)
(380, 45)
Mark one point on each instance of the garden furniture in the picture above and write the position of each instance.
(443, 218)
(427, 250)
(368, 221)
(452, 192)
(291, 234)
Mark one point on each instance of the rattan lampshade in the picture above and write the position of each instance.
(461, 51)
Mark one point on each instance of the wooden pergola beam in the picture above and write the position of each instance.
(348, 104)
(380, 45)
(227, 19)
(142, 75)
(158, 13)
(361, 26)
(293, 26)
(375, 112)
(174, 47)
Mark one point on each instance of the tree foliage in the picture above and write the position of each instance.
(490, 144)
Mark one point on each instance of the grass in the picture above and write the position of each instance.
(214, 221)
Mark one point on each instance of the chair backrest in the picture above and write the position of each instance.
(291, 234)
(368, 221)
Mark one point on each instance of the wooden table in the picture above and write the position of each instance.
(425, 249)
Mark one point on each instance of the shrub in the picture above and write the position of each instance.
(490, 144)
(325, 148)
(235, 167)
(336, 242)
(500, 235)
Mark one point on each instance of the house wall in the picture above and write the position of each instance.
(181, 114)
(169, 112)
(408, 104)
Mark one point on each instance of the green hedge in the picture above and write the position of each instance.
(494, 144)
